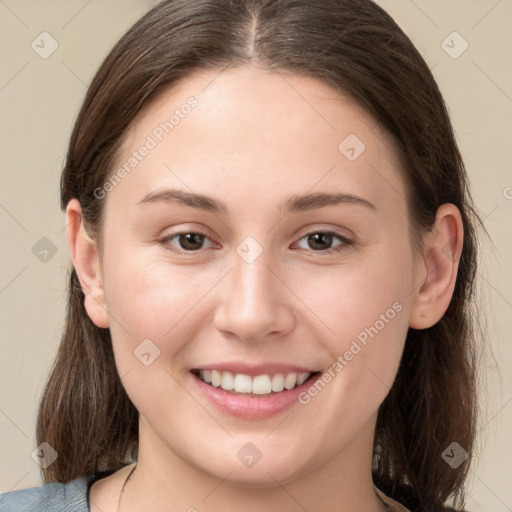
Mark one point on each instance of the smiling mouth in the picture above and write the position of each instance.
(258, 385)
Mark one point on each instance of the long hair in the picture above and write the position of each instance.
(357, 48)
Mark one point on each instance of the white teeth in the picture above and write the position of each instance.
(290, 381)
(216, 378)
(259, 385)
(278, 382)
(243, 383)
(302, 377)
(228, 381)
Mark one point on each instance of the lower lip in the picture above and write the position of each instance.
(252, 407)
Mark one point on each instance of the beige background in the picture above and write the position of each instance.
(39, 100)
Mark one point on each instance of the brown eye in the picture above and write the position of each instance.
(187, 241)
(322, 241)
(191, 241)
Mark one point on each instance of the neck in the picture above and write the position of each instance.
(162, 479)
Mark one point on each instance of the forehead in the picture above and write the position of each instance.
(252, 132)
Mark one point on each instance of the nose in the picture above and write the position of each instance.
(255, 304)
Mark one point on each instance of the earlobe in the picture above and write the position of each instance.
(85, 257)
(438, 268)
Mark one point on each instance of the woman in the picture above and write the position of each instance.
(273, 252)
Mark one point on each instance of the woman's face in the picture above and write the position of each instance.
(276, 276)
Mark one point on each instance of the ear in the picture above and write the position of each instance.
(438, 268)
(85, 257)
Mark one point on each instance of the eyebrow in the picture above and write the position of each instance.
(295, 203)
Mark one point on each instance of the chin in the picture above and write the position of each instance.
(268, 471)
(266, 477)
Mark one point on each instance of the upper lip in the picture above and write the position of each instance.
(253, 370)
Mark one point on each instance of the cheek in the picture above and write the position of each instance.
(366, 310)
(149, 300)
(154, 315)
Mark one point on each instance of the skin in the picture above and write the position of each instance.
(255, 139)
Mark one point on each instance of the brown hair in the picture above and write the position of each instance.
(356, 47)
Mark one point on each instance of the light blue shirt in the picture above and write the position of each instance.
(55, 497)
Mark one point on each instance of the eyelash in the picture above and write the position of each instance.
(344, 245)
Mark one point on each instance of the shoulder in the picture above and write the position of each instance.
(53, 497)
(402, 499)
(395, 505)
